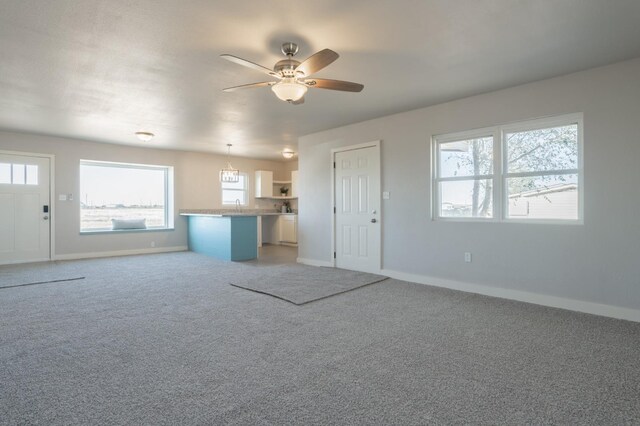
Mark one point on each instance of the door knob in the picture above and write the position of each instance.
(45, 217)
(373, 221)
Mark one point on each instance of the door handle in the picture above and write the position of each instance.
(45, 217)
(373, 220)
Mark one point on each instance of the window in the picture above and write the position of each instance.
(537, 178)
(465, 176)
(235, 191)
(18, 174)
(125, 192)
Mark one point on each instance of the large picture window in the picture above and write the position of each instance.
(117, 196)
(537, 178)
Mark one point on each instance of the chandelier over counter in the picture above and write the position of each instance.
(229, 174)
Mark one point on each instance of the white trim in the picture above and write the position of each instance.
(537, 124)
(521, 296)
(113, 164)
(18, 262)
(436, 141)
(53, 202)
(373, 144)
(92, 255)
(312, 262)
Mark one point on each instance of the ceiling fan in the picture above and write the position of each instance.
(293, 76)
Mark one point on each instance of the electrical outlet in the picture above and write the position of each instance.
(153, 243)
(62, 197)
(70, 197)
(386, 195)
(467, 257)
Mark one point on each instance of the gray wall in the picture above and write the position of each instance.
(595, 262)
(196, 186)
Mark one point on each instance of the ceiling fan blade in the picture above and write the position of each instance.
(250, 64)
(317, 61)
(298, 102)
(345, 86)
(249, 86)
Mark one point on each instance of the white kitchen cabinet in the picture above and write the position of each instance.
(288, 225)
(264, 184)
(294, 184)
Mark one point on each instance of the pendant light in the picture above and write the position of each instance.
(229, 174)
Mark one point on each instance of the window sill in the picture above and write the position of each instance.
(123, 231)
(571, 222)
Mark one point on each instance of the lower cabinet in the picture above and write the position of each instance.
(278, 229)
(288, 225)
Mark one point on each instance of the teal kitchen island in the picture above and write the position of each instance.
(228, 236)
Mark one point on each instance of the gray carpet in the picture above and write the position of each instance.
(163, 339)
(300, 284)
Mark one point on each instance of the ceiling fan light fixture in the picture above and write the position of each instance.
(289, 90)
(144, 136)
(288, 154)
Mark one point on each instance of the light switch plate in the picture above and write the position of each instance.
(386, 195)
(62, 197)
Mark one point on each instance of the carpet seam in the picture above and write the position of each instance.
(43, 282)
(308, 301)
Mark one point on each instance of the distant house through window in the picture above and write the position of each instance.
(134, 194)
(235, 191)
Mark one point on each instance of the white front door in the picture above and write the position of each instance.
(24, 209)
(357, 217)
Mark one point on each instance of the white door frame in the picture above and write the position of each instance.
(52, 201)
(374, 144)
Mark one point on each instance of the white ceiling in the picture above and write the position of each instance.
(103, 69)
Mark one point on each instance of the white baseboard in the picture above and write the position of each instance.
(313, 262)
(17, 262)
(92, 255)
(522, 296)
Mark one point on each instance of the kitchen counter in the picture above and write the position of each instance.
(232, 212)
(227, 234)
(227, 237)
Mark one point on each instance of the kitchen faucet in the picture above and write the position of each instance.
(238, 207)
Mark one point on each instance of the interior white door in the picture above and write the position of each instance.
(357, 216)
(24, 209)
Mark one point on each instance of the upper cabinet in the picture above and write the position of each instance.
(266, 187)
(264, 184)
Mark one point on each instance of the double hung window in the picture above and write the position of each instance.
(529, 171)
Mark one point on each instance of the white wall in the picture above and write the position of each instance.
(597, 262)
(196, 186)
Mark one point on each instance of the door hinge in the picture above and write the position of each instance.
(334, 254)
(334, 210)
(334, 164)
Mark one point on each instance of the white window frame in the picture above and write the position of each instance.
(537, 124)
(245, 189)
(168, 196)
(437, 141)
(500, 168)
